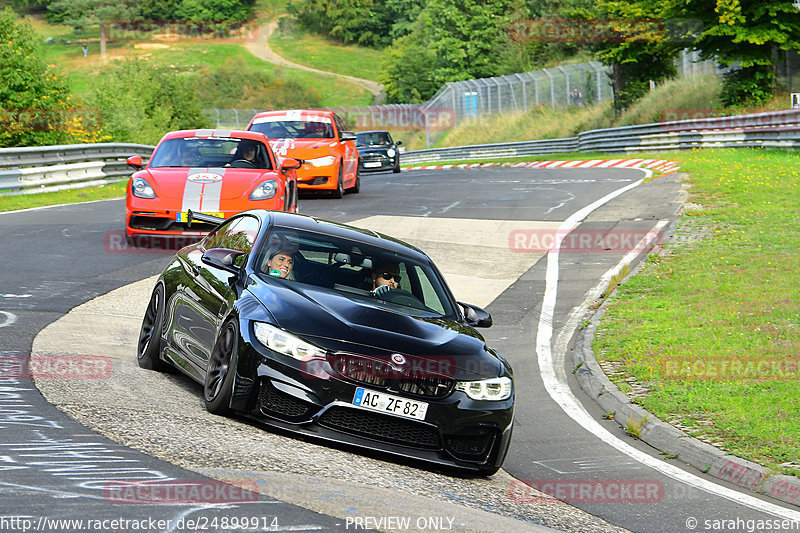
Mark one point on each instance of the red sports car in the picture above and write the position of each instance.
(318, 139)
(218, 172)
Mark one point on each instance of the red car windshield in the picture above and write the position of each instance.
(212, 152)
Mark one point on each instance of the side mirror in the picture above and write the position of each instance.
(223, 258)
(475, 316)
(347, 136)
(398, 143)
(135, 161)
(290, 164)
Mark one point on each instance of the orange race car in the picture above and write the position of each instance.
(218, 172)
(320, 141)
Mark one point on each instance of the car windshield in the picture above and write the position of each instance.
(373, 138)
(351, 267)
(282, 127)
(211, 152)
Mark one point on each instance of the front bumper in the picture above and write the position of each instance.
(314, 400)
(376, 162)
(314, 178)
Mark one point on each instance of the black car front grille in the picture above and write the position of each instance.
(281, 405)
(411, 380)
(471, 446)
(316, 180)
(373, 157)
(380, 427)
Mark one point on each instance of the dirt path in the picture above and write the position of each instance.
(261, 49)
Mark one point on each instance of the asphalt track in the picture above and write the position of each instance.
(55, 259)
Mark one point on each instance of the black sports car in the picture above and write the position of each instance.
(335, 332)
(377, 151)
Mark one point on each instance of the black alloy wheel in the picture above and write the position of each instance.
(218, 384)
(149, 345)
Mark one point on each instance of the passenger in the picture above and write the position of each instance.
(280, 262)
(385, 277)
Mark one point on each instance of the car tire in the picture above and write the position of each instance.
(338, 192)
(396, 168)
(218, 384)
(149, 346)
(355, 189)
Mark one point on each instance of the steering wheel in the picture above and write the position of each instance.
(399, 296)
(242, 163)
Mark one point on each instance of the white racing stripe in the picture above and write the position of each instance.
(554, 377)
(203, 195)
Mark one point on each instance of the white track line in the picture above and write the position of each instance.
(554, 378)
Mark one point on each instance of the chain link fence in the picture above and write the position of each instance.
(456, 102)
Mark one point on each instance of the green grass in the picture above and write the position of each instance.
(725, 291)
(184, 55)
(26, 201)
(319, 52)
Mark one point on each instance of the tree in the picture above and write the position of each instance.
(634, 38)
(745, 36)
(34, 100)
(82, 13)
(451, 40)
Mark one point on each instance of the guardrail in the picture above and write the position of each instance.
(46, 168)
(779, 129)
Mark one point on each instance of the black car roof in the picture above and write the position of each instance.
(338, 229)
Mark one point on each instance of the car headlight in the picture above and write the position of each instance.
(265, 190)
(390, 152)
(283, 342)
(496, 389)
(142, 189)
(326, 161)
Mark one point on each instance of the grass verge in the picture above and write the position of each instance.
(72, 196)
(711, 326)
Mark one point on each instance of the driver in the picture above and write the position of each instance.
(246, 152)
(385, 277)
(280, 262)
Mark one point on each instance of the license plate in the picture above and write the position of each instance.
(387, 403)
(183, 216)
(372, 164)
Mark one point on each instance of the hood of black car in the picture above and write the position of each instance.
(343, 322)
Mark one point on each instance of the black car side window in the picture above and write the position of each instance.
(237, 234)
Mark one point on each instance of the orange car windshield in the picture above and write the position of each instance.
(189, 152)
(294, 129)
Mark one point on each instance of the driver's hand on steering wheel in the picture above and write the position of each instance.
(381, 291)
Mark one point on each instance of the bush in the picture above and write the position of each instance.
(139, 102)
(33, 97)
(234, 85)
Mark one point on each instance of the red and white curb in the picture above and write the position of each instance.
(661, 165)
